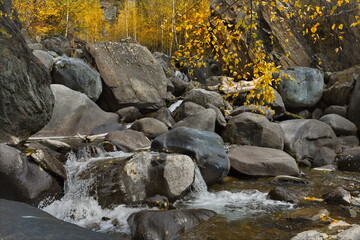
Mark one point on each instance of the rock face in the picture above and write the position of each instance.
(22, 180)
(203, 120)
(74, 113)
(340, 86)
(254, 129)
(301, 87)
(166, 225)
(131, 75)
(128, 140)
(207, 148)
(26, 99)
(340, 125)
(28, 223)
(77, 75)
(143, 175)
(310, 140)
(256, 161)
(354, 106)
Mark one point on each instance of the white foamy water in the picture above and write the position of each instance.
(175, 105)
(234, 206)
(79, 208)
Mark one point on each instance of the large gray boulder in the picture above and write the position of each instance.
(74, 113)
(77, 75)
(131, 75)
(25, 222)
(26, 100)
(45, 58)
(128, 140)
(166, 225)
(124, 181)
(204, 120)
(310, 140)
(353, 113)
(258, 161)
(186, 109)
(340, 125)
(301, 87)
(254, 129)
(207, 148)
(22, 180)
(151, 127)
(57, 43)
(340, 86)
(204, 98)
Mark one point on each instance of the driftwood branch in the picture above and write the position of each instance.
(228, 86)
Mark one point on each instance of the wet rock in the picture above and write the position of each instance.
(349, 160)
(58, 44)
(340, 86)
(340, 125)
(354, 106)
(338, 196)
(74, 113)
(119, 181)
(304, 87)
(312, 140)
(258, 161)
(203, 120)
(291, 180)
(310, 234)
(45, 58)
(128, 114)
(131, 75)
(186, 109)
(310, 216)
(207, 148)
(151, 127)
(128, 140)
(166, 225)
(351, 233)
(26, 99)
(164, 115)
(220, 118)
(158, 201)
(204, 98)
(22, 180)
(336, 109)
(268, 113)
(286, 194)
(56, 145)
(84, 153)
(47, 159)
(77, 75)
(28, 223)
(254, 129)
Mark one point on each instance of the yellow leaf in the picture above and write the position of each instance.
(333, 26)
(341, 26)
(313, 199)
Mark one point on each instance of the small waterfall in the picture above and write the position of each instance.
(175, 105)
(79, 208)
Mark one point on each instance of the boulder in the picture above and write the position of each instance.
(340, 86)
(204, 98)
(164, 115)
(349, 141)
(258, 161)
(349, 160)
(28, 223)
(207, 148)
(45, 58)
(253, 129)
(340, 125)
(77, 75)
(310, 140)
(131, 75)
(151, 127)
(166, 225)
(310, 234)
(186, 109)
(74, 113)
(26, 101)
(124, 181)
(57, 43)
(336, 109)
(354, 106)
(301, 87)
(338, 196)
(309, 216)
(203, 120)
(22, 180)
(128, 140)
(128, 114)
(286, 194)
(268, 113)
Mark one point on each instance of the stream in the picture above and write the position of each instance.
(244, 212)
